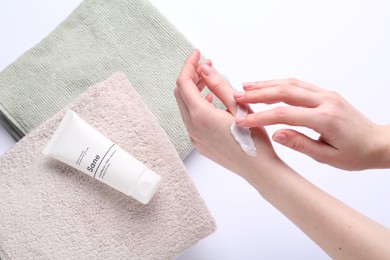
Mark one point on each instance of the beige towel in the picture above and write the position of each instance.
(50, 211)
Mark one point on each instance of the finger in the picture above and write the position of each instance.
(201, 82)
(316, 149)
(220, 88)
(199, 67)
(201, 85)
(281, 82)
(188, 70)
(287, 94)
(294, 116)
(187, 80)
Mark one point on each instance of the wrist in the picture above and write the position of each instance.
(381, 148)
(263, 173)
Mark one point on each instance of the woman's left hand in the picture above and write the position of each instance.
(209, 126)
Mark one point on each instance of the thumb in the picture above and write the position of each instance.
(318, 150)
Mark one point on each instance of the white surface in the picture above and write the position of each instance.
(339, 45)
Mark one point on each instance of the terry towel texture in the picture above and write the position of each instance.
(99, 38)
(50, 211)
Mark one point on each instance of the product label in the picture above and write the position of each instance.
(97, 163)
(81, 157)
(106, 164)
(93, 163)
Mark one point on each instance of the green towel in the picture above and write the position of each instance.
(99, 38)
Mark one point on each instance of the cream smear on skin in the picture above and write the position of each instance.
(242, 134)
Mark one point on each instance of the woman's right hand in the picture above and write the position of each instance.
(348, 140)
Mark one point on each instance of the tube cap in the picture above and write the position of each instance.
(146, 186)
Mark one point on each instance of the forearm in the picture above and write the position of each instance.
(338, 229)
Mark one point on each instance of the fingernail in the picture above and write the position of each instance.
(238, 94)
(248, 85)
(207, 70)
(280, 138)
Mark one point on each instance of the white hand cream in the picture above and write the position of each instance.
(79, 145)
(243, 135)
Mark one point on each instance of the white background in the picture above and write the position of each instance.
(338, 45)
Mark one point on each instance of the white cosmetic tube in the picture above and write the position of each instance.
(81, 146)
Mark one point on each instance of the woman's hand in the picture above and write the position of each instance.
(348, 140)
(209, 127)
(341, 231)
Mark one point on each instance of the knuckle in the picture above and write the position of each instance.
(293, 81)
(264, 83)
(280, 112)
(180, 81)
(251, 95)
(298, 144)
(218, 84)
(334, 94)
(330, 114)
(284, 91)
(327, 118)
(334, 97)
(253, 118)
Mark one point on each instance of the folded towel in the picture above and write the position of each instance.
(99, 38)
(48, 210)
